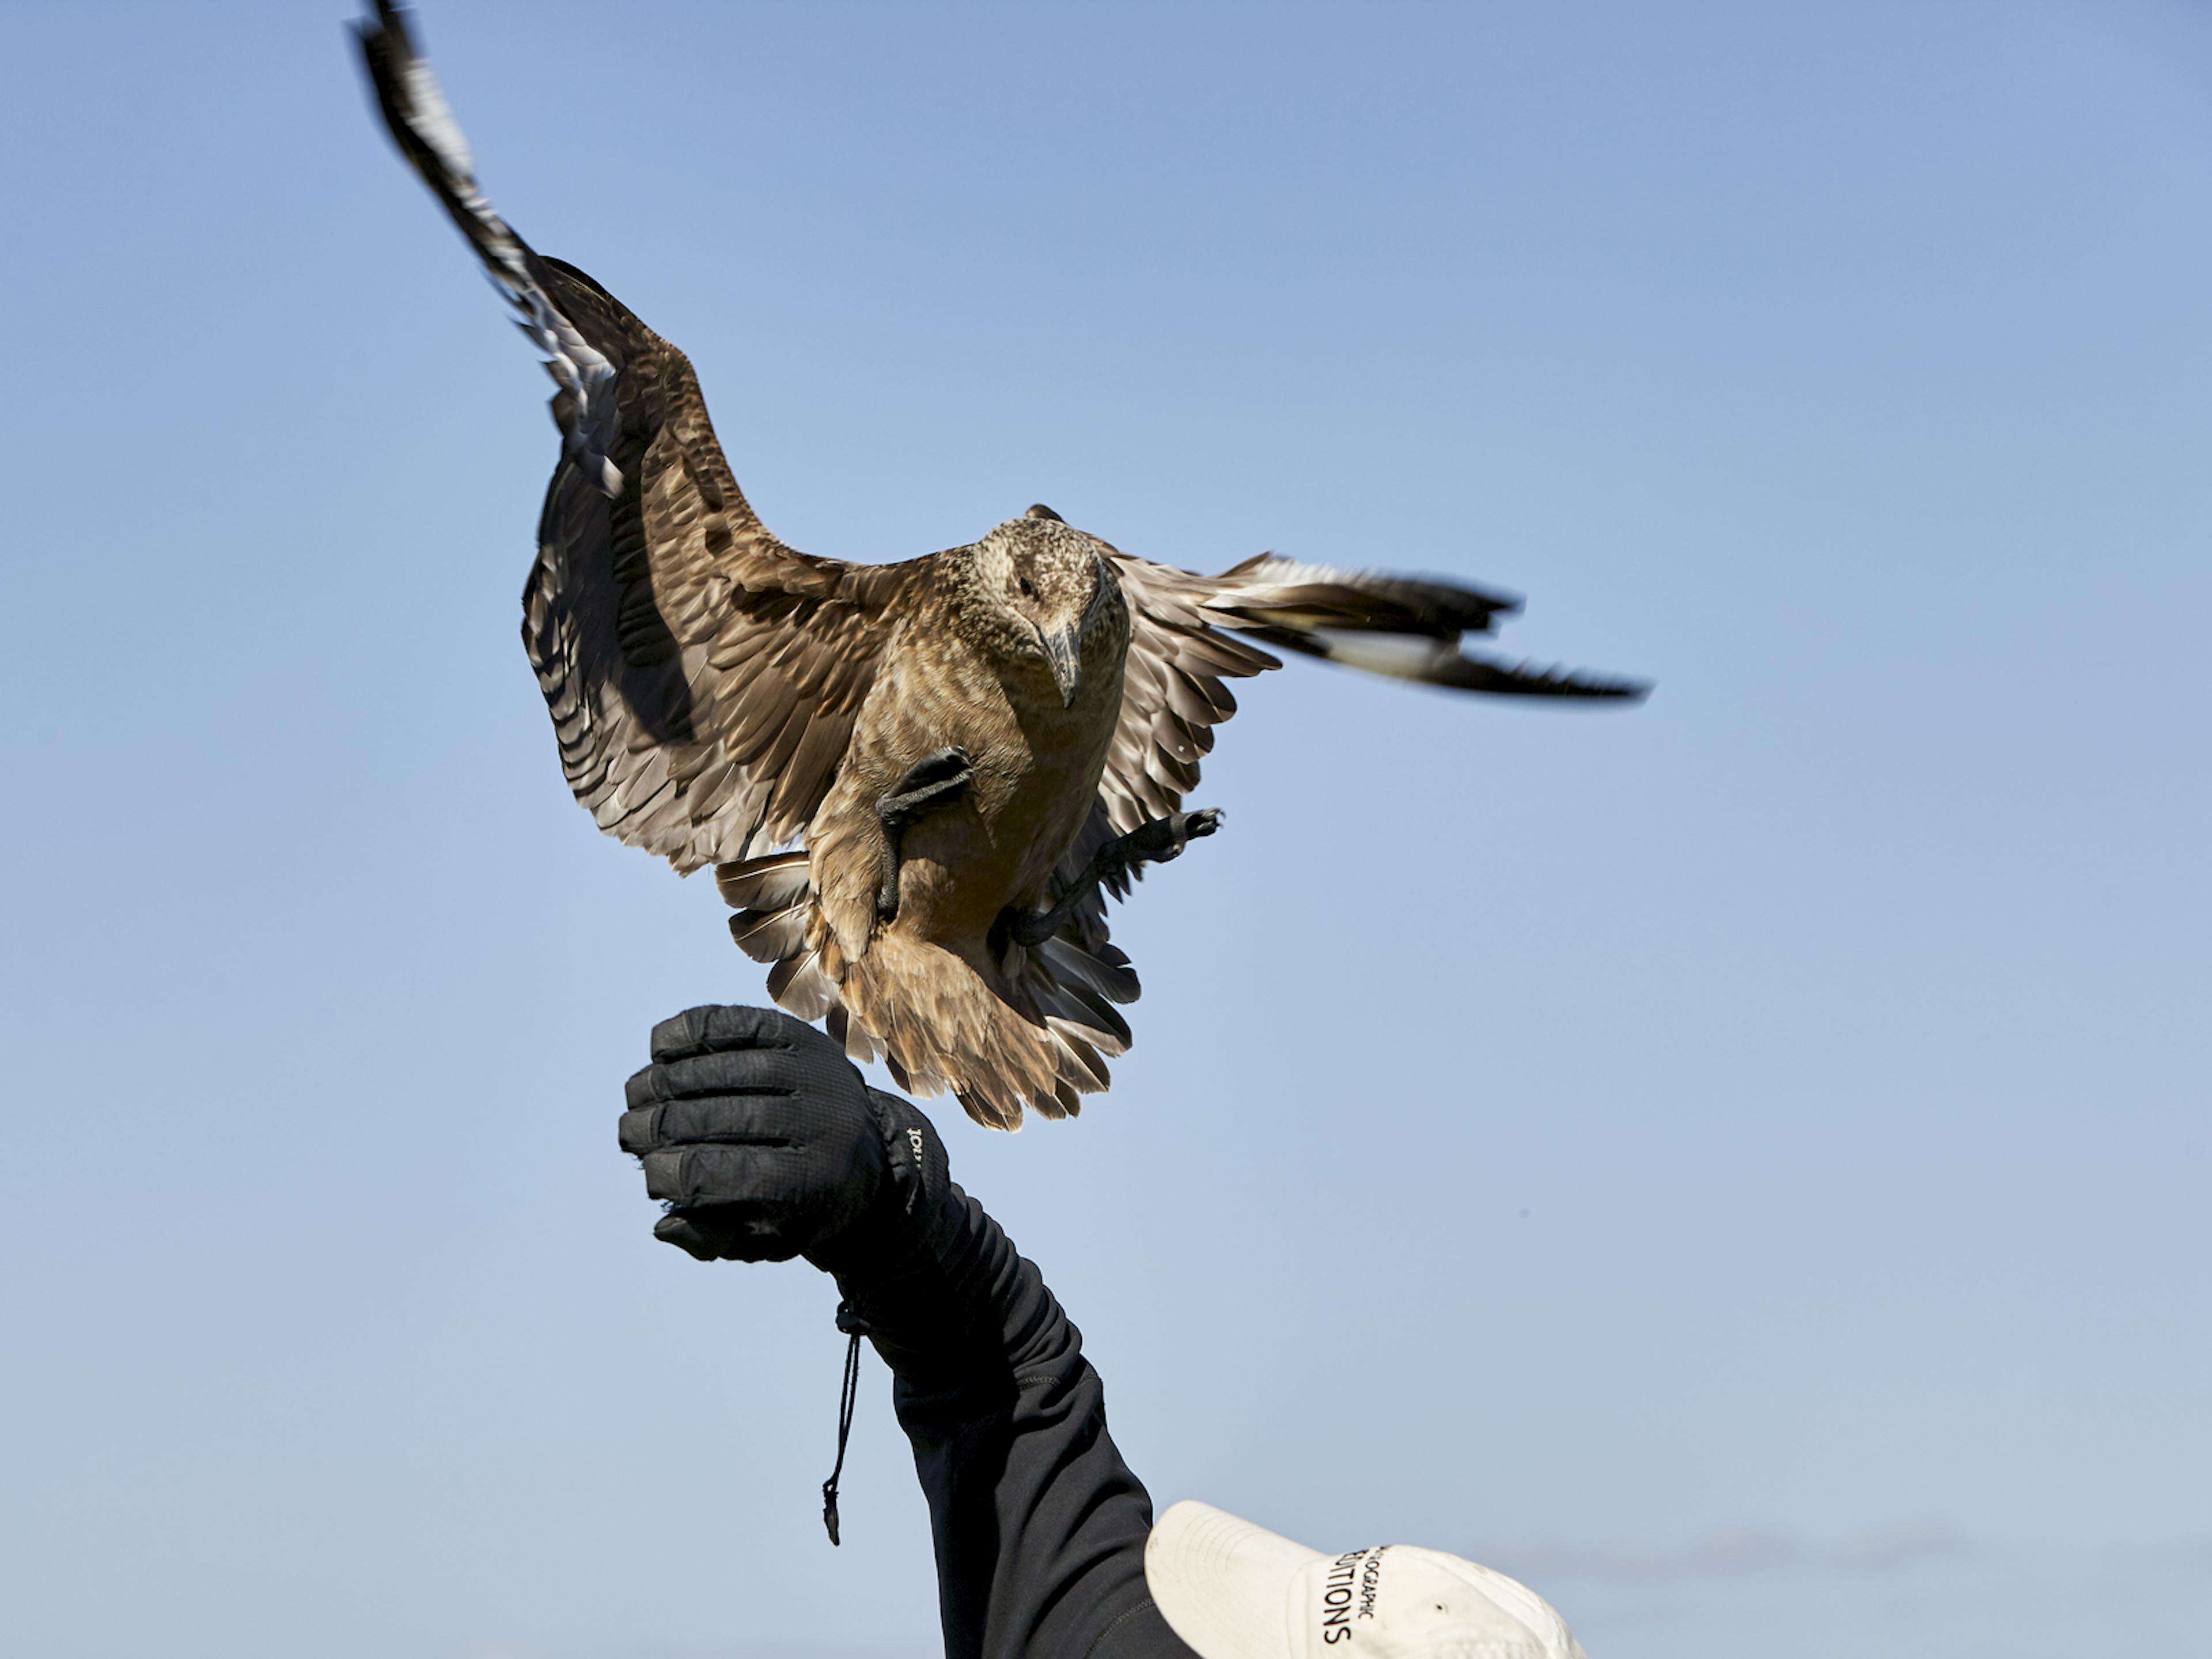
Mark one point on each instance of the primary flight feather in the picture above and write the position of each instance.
(962, 752)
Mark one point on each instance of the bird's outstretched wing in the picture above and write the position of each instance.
(1181, 648)
(1180, 653)
(702, 677)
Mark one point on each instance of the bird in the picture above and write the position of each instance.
(917, 782)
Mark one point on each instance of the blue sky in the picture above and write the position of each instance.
(1743, 1164)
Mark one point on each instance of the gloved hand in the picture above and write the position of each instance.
(768, 1144)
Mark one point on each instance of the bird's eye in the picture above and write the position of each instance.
(1028, 592)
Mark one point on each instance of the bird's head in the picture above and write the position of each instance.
(1040, 591)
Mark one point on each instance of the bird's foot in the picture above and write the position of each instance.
(1155, 842)
(932, 780)
(1163, 838)
(935, 780)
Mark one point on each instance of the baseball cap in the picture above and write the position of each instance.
(1233, 1591)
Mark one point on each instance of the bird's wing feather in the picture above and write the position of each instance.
(1180, 652)
(703, 677)
(1172, 695)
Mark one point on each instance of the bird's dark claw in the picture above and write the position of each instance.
(935, 780)
(1162, 839)
(930, 781)
(1154, 842)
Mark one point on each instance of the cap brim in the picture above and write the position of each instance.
(1223, 1585)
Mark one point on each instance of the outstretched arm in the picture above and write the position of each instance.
(767, 1145)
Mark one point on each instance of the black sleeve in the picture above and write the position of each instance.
(1039, 1525)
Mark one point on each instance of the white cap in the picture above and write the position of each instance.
(1233, 1591)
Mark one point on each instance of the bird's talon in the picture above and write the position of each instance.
(935, 780)
(947, 765)
(932, 780)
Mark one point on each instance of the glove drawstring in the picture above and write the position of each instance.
(848, 1395)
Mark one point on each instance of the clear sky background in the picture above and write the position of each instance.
(1741, 1163)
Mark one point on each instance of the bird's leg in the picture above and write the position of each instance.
(1155, 842)
(933, 780)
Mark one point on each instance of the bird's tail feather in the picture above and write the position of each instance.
(943, 1028)
(937, 1024)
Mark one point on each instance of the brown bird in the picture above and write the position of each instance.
(963, 751)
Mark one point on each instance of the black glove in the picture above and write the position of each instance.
(768, 1144)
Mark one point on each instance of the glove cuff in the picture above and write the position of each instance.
(911, 1219)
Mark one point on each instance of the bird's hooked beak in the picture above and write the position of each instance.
(1063, 654)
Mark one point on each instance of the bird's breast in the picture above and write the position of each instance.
(1035, 766)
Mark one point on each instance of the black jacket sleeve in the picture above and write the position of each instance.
(1039, 1525)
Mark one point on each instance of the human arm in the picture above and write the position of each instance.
(766, 1144)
